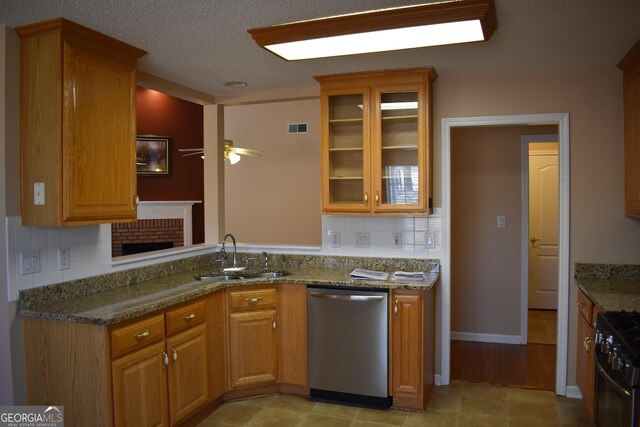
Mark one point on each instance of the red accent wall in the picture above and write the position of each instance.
(162, 114)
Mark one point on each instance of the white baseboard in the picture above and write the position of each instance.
(491, 338)
(573, 392)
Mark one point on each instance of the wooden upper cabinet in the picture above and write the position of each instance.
(630, 66)
(376, 143)
(77, 125)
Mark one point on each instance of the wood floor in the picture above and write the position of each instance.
(527, 366)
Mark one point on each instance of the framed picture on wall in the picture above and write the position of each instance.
(153, 155)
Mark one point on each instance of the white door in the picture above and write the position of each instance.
(543, 229)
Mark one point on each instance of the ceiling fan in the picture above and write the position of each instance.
(231, 153)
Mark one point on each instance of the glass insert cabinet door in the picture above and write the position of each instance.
(399, 149)
(346, 153)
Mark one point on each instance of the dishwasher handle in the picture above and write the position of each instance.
(346, 297)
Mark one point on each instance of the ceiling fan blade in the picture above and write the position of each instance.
(194, 153)
(251, 152)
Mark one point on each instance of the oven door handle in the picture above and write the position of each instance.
(613, 382)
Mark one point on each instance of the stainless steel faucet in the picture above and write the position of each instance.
(235, 249)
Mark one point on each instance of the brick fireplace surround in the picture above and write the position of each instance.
(160, 225)
(146, 231)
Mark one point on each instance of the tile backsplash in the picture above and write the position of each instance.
(90, 246)
(379, 234)
(89, 252)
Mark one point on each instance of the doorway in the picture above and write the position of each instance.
(487, 218)
(562, 121)
(541, 203)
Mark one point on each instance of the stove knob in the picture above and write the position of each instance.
(616, 362)
(613, 354)
(597, 335)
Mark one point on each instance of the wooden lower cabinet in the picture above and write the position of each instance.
(187, 382)
(134, 373)
(253, 348)
(140, 388)
(292, 338)
(412, 347)
(585, 363)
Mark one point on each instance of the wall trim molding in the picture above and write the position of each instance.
(562, 120)
(573, 392)
(490, 338)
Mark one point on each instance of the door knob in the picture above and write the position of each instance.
(534, 240)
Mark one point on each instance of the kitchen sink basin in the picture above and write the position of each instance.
(278, 273)
(221, 277)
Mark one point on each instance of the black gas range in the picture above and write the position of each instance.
(617, 356)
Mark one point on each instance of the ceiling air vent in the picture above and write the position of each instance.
(298, 127)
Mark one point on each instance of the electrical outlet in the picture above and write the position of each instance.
(362, 240)
(64, 259)
(29, 262)
(502, 221)
(429, 241)
(396, 240)
(335, 239)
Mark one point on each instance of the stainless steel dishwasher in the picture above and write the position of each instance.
(348, 345)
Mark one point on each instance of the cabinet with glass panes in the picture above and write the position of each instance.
(375, 140)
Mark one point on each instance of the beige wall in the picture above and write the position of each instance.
(599, 231)
(486, 171)
(274, 199)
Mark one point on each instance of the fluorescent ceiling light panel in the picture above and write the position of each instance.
(409, 27)
(381, 41)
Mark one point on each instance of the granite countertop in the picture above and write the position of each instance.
(610, 287)
(116, 304)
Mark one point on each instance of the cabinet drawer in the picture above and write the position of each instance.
(136, 335)
(251, 299)
(185, 317)
(585, 306)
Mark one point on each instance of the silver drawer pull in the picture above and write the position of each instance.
(143, 335)
(253, 300)
(189, 317)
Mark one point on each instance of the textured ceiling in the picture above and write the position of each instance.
(204, 43)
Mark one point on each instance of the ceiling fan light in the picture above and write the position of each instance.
(233, 158)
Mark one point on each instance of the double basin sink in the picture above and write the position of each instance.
(238, 275)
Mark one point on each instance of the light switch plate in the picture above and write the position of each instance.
(38, 193)
(362, 240)
(502, 221)
(29, 262)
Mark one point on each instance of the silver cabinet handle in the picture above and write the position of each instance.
(586, 343)
(395, 309)
(143, 335)
(165, 359)
(174, 354)
(273, 323)
(189, 317)
(345, 297)
(253, 300)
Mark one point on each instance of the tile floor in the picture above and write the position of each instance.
(459, 404)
